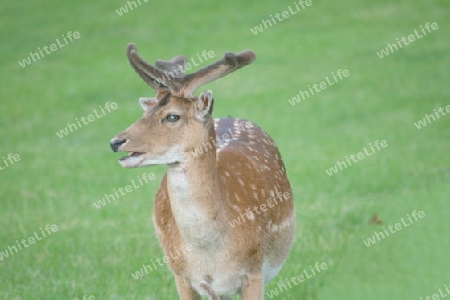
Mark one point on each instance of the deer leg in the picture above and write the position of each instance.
(185, 290)
(252, 288)
(208, 289)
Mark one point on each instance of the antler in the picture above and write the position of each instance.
(153, 76)
(173, 68)
(170, 76)
(229, 63)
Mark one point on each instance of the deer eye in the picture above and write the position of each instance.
(172, 118)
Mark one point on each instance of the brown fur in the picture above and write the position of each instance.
(203, 194)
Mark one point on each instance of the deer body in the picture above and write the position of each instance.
(232, 203)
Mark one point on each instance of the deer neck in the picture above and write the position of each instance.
(195, 198)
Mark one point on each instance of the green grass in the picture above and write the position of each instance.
(95, 251)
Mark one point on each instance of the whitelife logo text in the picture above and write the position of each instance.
(34, 56)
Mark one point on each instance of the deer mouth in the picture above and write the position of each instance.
(131, 154)
(135, 153)
(133, 160)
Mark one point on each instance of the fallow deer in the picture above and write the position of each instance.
(203, 198)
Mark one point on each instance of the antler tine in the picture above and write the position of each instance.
(229, 63)
(153, 76)
(173, 68)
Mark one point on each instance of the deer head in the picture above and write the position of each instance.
(174, 121)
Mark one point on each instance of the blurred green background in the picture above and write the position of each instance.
(95, 251)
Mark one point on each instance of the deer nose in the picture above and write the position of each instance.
(115, 143)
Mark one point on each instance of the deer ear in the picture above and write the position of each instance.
(148, 103)
(204, 105)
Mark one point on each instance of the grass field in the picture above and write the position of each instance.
(94, 251)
